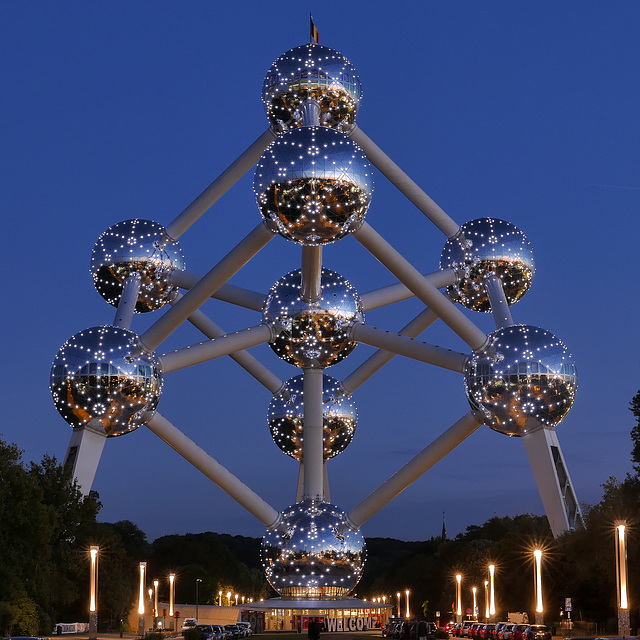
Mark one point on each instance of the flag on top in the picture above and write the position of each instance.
(314, 32)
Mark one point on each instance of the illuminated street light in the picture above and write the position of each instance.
(459, 598)
(198, 581)
(228, 598)
(399, 609)
(155, 598)
(475, 602)
(143, 587)
(492, 593)
(486, 599)
(236, 596)
(624, 626)
(537, 577)
(93, 593)
(172, 582)
(219, 598)
(406, 592)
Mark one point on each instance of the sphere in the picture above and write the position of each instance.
(313, 559)
(314, 334)
(286, 418)
(493, 248)
(311, 72)
(101, 379)
(130, 247)
(314, 185)
(531, 382)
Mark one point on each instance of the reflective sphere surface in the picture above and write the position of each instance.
(312, 560)
(286, 418)
(314, 185)
(314, 334)
(529, 385)
(311, 71)
(135, 246)
(100, 377)
(497, 248)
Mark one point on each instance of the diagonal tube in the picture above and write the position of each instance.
(239, 296)
(398, 292)
(498, 301)
(424, 290)
(220, 185)
(404, 183)
(409, 347)
(375, 362)
(222, 346)
(211, 468)
(426, 459)
(250, 364)
(127, 303)
(206, 287)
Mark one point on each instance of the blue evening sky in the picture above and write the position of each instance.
(526, 111)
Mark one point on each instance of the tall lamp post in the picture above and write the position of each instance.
(93, 593)
(141, 594)
(492, 591)
(220, 598)
(172, 586)
(458, 598)
(474, 590)
(486, 599)
(537, 581)
(399, 607)
(624, 625)
(198, 581)
(155, 602)
(406, 593)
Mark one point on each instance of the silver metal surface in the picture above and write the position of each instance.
(313, 185)
(136, 247)
(530, 384)
(311, 72)
(488, 247)
(316, 557)
(100, 376)
(315, 334)
(286, 418)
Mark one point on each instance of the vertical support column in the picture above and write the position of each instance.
(311, 274)
(551, 475)
(83, 455)
(312, 435)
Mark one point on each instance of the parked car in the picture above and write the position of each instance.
(537, 632)
(487, 631)
(464, 629)
(188, 623)
(233, 633)
(206, 631)
(504, 632)
(245, 627)
(219, 632)
(517, 630)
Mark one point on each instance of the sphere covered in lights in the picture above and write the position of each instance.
(314, 334)
(526, 380)
(489, 247)
(101, 379)
(314, 185)
(311, 72)
(136, 247)
(316, 557)
(286, 418)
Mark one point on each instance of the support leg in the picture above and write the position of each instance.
(83, 455)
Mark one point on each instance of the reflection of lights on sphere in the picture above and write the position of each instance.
(286, 418)
(314, 185)
(313, 559)
(100, 377)
(314, 334)
(311, 72)
(496, 248)
(529, 385)
(130, 247)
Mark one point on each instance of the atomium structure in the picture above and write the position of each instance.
(313, 185)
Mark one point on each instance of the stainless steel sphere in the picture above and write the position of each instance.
(101, 379)
(314, 334)
(286, 418)
(314, 185)
(529, 385)
(492, 247)
(313, 559)
(311, 72)
(135, 246)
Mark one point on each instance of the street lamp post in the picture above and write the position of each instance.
(475, 602)
(537, 581)
(155, 603)
(172, 583)
(492, 592)
(198, 581)
(624, 625)
(228, 598)
(93, 593)
(220, 598)
(486, 599)
(399, 608)
(406, 592)
(141, 593)
(458, 598)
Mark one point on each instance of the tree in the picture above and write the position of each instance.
(635, 433)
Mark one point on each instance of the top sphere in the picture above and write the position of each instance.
(529, 383)
(311, 72)
(136, 247)
(493, 248)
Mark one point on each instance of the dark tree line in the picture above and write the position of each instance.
(47, 527)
